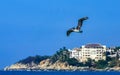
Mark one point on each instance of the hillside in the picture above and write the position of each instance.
(33, 59)
(61, 61)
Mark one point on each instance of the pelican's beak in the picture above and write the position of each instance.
(86, 18)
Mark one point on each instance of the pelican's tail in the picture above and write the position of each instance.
(81, 32)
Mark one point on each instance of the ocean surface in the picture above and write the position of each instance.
(55, 73)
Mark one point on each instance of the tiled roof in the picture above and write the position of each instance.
(93, 46)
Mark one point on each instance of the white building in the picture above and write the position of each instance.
(93, 51)
(75, 53)
(110, 50)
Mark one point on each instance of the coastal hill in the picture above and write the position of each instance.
(61, 61)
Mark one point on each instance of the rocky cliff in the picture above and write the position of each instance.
(61, 61)
(44, 65)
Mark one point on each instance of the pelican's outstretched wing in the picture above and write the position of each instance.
(80, 22)
(69, 31)
(77, 29)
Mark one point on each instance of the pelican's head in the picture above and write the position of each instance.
(85, 18)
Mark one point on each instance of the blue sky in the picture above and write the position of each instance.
(38, 27)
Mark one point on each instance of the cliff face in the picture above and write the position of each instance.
(29, 63)
(16, 66)
(20, 66)
(44, 65)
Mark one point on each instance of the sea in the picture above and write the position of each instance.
(57, 73)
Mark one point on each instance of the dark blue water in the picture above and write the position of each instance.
(56, 73)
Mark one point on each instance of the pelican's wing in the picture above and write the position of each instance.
(69, 31)
(80, 22)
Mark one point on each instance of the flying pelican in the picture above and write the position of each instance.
(78, 28)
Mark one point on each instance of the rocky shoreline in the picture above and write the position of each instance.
(46, 65)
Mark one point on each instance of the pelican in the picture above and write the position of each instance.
(78, 28)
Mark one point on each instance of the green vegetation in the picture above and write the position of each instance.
(117, 48)
(35, 59)
(75, 62)
(101, 64)
(63, 55)
(112, 63)
(89, 62)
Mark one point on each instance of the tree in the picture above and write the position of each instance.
(74, 62)
(89, 62)
(35, 59)
(62, 55)
(108, 58)
(112, 63)
(117, 56)
(101, 64)
(117, 48)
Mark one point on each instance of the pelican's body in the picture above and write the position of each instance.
(78, 28)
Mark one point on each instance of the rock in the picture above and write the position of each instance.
(45, 65)
(16, 66)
